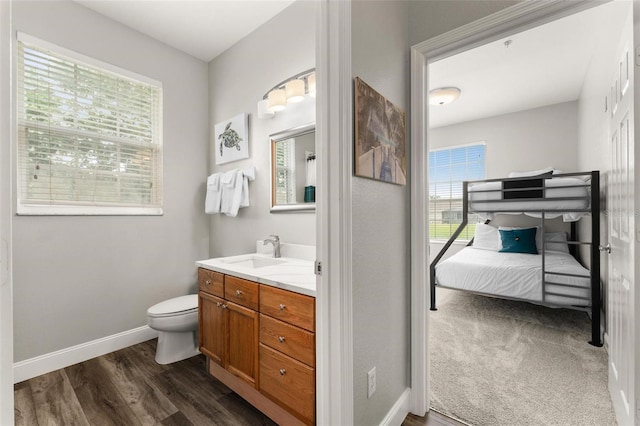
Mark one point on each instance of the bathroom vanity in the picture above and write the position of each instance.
(257, 330)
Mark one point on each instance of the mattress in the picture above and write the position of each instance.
(515, 275)
(555, 201)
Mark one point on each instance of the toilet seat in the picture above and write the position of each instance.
(181, 305)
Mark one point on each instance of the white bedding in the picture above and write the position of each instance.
(514, 275)
(485, 201)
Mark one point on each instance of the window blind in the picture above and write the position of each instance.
(285, 170)
(89, 138)
(448, 168)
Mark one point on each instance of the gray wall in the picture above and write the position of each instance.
(525, 140)
(381, 224)
(77, 279)
(281, 48)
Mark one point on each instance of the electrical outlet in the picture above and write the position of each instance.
(371, 382)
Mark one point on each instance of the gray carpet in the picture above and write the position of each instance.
(500, 362)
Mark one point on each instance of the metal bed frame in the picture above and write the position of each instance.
(592, 181)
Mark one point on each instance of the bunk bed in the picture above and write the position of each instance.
(528, 263)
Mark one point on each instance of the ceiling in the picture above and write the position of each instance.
(202, 28)
(538, 67)
(542, 66)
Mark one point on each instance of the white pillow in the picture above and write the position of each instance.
(531, 173)
(487, 237)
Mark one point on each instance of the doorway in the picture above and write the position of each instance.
(496, 28)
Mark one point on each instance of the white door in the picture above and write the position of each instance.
(620, 205)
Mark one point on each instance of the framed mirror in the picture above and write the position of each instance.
(293, 169)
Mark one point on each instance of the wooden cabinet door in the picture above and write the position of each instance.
(212, 327)
(242, 347)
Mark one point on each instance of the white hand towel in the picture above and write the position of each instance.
(228, 188)
(247, 175)
(213, 196)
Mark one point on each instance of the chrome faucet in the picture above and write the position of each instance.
(275, 240)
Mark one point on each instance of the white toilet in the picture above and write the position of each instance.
(177, 321)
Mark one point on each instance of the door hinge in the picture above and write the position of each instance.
(317, 268)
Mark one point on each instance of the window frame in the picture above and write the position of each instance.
(469, 236)
(95, 208)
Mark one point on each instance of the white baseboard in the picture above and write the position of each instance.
(29, 368)
(399, 411)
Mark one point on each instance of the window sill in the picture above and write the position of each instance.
(52, 210)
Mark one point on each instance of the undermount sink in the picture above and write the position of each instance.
(252, 261)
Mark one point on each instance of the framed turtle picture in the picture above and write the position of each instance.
(231, 139)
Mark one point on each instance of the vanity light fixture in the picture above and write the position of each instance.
(277, 99)
(294, 90)
(311, 83)
(263, 109)
(290, 91)
(443, 95)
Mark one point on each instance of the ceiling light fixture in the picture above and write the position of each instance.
(290, 91)
(443, 95)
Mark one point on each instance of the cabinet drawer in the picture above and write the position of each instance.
(242, 292)
(297, 309)
(288, 339)
(288, 382)
(211, 282)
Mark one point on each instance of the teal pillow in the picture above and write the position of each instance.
(519, 241)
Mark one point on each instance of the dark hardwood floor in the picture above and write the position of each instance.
(128, 387)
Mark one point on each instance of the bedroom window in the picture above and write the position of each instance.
(448, 168)
(89, 135)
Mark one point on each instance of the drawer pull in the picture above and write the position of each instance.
(238, 293)
(281, 339)
(282, 306)
(208, 282)
(283, 371)
(218, 304)
(224, 306)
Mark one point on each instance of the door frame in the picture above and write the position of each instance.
(334, 318)
(514, 19)
(6, 182)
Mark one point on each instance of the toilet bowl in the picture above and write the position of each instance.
(176, 320)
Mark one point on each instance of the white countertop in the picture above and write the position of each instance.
(293, 274)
